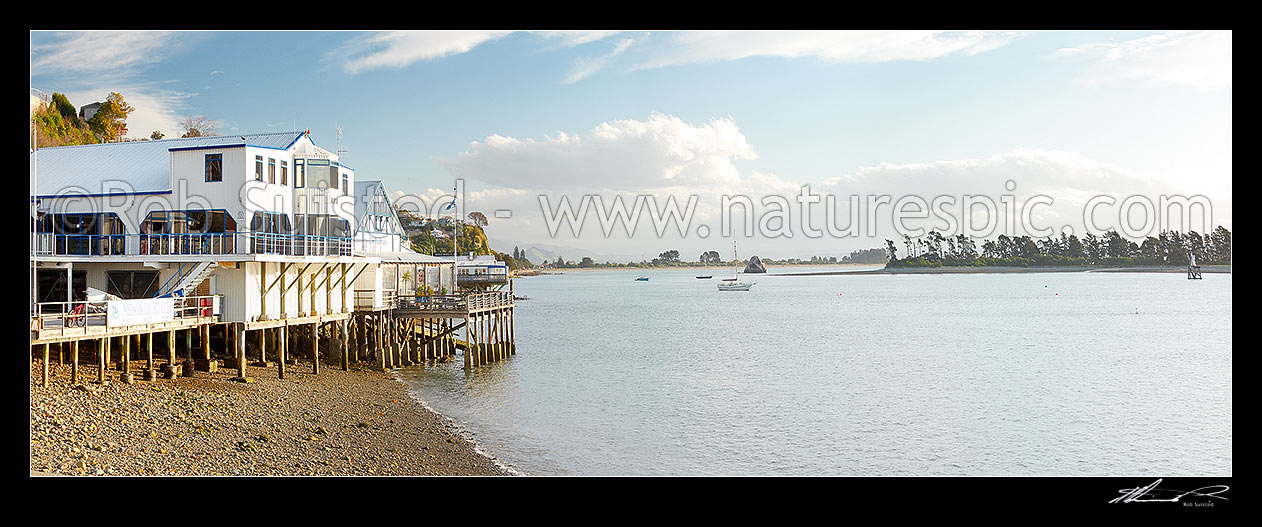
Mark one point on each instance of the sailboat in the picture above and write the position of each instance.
(734, 283)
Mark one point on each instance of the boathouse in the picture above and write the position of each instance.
(227, 239)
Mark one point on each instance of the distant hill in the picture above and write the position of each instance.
(541, 252)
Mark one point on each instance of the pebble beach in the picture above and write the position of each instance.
(358, 422)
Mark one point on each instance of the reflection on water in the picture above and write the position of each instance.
(1020, 374)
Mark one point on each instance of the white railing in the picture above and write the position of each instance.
(489, 274)
(63, 315)
(467, 302)
(191, 244)
(368, 298)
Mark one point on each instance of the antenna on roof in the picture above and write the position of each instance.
(340, 149)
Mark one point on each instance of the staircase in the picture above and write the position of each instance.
(183, 281)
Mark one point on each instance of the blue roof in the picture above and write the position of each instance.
(144, 166)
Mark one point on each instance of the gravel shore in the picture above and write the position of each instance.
(360, 422)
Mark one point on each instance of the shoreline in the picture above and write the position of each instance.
(692, 267)
(463, 432)
(357, 422)
(1207, 269)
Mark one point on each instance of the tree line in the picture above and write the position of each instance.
(1110, 249)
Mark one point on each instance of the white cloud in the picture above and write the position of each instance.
(1068, 178)
(112, 53)
(1197, 59)
(575, 38)
(662, 151)
(586, 66)
(396, 49)
(839, 46)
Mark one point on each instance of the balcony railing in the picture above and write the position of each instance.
(446, 303)
(64, 315)
(482, 275)
(193, 244)
(367, 298)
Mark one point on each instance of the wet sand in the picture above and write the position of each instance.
(360, 422)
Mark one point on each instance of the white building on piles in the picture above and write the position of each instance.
(262, 227)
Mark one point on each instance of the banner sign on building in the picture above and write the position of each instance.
(140, 311)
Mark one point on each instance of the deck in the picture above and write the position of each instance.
(63, 321)
(434, 306)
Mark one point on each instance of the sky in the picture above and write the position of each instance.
(1048, 120)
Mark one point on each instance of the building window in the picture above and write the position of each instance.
(345, 185)
(87, 233)
(258, 168)
(188, 232)
(300, 175)
(271, 170)
(284, 172)
(214, 167)
(271, 231)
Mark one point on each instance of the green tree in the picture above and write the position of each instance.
(1074, 248)
(110, 120)
(1220, 243)
(66, 110)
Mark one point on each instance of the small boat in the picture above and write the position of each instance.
(734, 283)
(705, 277)
(641, 279)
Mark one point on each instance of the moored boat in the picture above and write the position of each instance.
(734, 283)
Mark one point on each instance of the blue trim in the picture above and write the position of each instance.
(184, 148)
(267, 147)
(227, 145)
(147, 193)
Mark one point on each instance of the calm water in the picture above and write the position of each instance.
(1020, 374)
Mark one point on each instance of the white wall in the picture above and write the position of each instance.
(190, 190)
